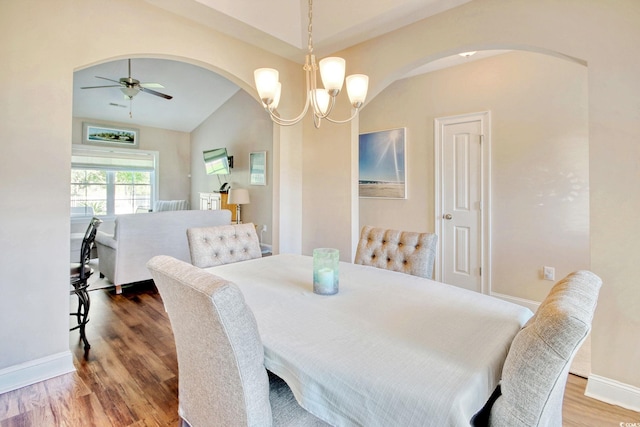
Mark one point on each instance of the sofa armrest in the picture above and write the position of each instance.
(105, 239)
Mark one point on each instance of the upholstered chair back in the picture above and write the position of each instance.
(404, 251)
(222, 379)
(224, 244)
(535, 371)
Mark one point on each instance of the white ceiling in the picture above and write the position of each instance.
(279, 26)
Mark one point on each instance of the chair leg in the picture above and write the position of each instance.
(84, 304)
(85, 318)
(78, 312)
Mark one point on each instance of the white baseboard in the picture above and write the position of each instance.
(530, 304)
(613, 392)
(34, 371)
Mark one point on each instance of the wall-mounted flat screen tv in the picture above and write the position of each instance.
(216, 161)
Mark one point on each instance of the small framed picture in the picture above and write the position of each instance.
(258, 168)
(110, 136)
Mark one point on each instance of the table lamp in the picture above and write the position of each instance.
(238, 196)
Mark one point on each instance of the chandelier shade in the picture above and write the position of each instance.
(357, 87)
(266, 83)
(320, 100)
(332, 74)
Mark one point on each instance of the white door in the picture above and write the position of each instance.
(460, 215)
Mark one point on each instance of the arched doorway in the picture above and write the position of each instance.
(207, 111)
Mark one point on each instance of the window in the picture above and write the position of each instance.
(107, 182)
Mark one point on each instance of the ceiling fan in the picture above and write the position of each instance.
(130, 86)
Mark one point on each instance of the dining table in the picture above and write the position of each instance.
(389, 349)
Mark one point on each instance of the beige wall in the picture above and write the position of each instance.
(540, 154)
(241, 126)
(328, 211)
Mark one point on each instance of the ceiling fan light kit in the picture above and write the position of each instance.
(321, 100)
(129, 91)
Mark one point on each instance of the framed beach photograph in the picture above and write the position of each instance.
(110, 136)
(383, 164)
(258, 168)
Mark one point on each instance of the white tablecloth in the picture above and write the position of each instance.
(389, 349)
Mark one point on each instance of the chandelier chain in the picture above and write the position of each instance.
(310, 28)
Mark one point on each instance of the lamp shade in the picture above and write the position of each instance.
(238, 196)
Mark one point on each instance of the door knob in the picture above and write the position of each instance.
(447, 216)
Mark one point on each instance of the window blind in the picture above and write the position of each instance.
(109, 159)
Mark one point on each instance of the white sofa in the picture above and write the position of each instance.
(122, 257)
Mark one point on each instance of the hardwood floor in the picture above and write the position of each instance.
(130, 375)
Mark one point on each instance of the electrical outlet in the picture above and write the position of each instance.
(549, 273)
(263, 227)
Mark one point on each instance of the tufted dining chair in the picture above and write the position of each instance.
(223, 244)
(222, 378)
(535, 371)
(408, 252)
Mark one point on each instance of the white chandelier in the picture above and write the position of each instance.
(322, 101)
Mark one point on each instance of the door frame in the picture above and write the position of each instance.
(485, 187)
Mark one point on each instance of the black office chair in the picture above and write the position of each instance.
(80, 273)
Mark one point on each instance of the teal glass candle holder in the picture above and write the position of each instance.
(325, 271)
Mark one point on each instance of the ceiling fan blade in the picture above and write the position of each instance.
(111, 80)
(152, 85)
(153, 92)
(96, 87)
